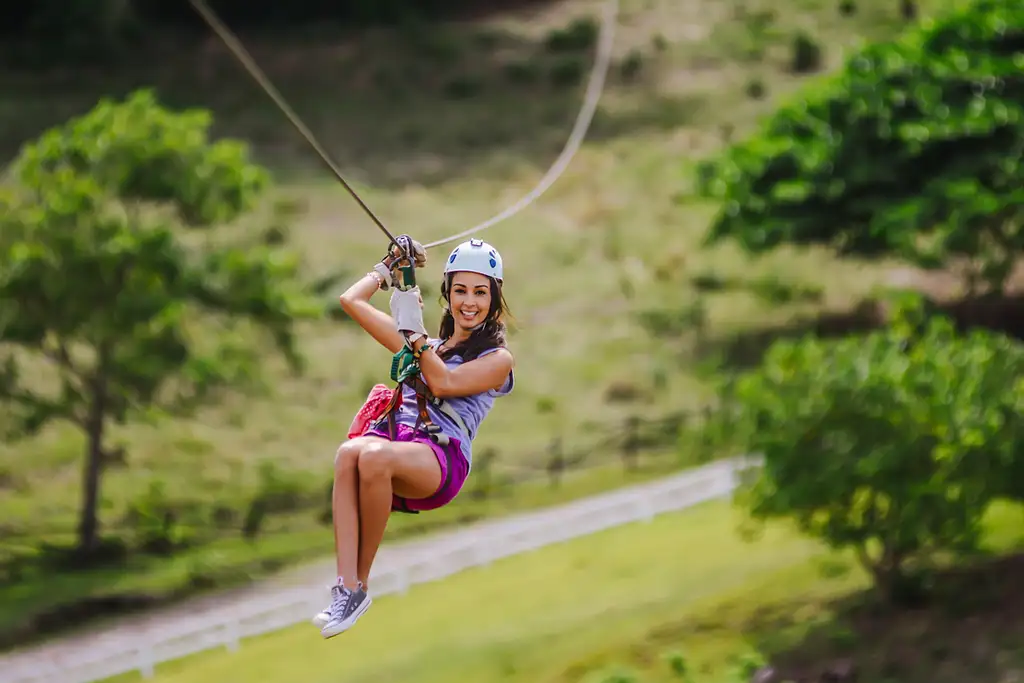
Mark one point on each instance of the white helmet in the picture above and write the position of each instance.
(475, 256)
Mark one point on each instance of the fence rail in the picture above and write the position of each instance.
(228, 627)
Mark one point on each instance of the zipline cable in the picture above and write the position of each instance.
(595, 87)
(583, 120)
(254, 70)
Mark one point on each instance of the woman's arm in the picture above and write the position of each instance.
(474, 377)
(356, 302)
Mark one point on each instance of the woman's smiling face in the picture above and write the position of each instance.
(469, 299)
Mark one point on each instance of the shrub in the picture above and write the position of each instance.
(893, 444)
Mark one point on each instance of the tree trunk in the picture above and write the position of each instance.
(556, 463)
(908, 9)
(88, 528)
(886, 571)
(631, 444)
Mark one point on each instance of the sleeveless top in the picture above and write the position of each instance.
(472, 409)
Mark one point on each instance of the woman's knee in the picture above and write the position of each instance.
(347, 457)
(376, 461)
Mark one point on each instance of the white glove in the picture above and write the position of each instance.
(385, 275)
(407, 310)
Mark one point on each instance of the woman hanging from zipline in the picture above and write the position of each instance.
(414, 453)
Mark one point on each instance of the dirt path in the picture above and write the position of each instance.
(122, 634)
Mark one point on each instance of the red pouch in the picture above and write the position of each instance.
(371, 411)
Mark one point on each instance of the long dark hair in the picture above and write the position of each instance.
(489, 334)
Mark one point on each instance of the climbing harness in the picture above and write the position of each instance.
(595, 87)
(405, 367)
(405, 370)
(474, 256)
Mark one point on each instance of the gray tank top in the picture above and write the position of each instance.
(472, 409)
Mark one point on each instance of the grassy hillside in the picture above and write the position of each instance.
(631, 604)
(442, 128)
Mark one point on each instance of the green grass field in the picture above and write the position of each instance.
(236, 560)
(628, 599)
(441, 129)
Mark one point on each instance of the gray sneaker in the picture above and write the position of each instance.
(321, 619)
(346, 608)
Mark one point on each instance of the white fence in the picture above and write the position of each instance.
(581, 518)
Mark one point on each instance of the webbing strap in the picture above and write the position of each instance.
(405, 370)
(423, 416)
(423, 421)
(391, 409)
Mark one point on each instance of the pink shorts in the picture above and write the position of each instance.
(454, 470)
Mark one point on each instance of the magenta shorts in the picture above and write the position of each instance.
(454, 470)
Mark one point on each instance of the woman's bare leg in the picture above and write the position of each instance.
(345, 508)
(410, 469)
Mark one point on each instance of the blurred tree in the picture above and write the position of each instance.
(47, 32)
(100, 277)
(915, 150)
(892, 445)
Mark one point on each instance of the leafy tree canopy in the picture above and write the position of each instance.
(915, 149)
(102, 282)
(893, 444)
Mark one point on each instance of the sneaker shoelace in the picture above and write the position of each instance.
(341, 597)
